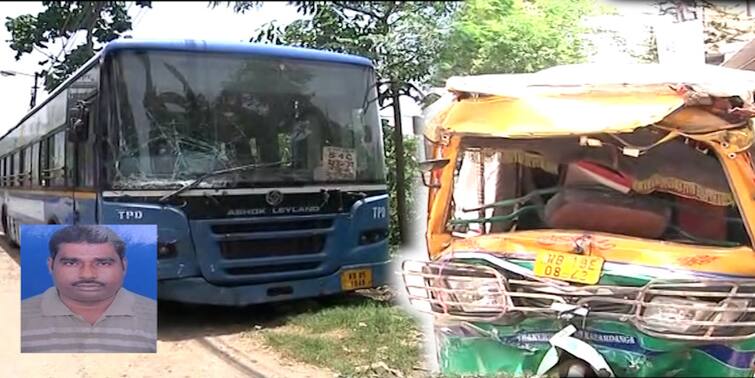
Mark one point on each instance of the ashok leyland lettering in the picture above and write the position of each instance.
(261, 165)
(592, 220)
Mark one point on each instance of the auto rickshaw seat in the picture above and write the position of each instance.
(606, 211)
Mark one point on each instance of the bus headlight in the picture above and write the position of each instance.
(476, 295)
(678, 315)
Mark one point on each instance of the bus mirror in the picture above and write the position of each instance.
(79, 124)
(428, 169)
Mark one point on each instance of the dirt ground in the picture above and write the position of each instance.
(193, 341)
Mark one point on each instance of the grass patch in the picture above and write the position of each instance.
(347, 336)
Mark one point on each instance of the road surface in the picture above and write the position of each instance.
(193, 341)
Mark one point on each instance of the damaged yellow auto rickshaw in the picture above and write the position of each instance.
(587, 220)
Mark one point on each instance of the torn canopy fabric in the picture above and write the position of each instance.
(587, 99)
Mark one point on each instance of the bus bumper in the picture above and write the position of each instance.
(197, 290)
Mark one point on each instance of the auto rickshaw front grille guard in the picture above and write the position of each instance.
(679, 309)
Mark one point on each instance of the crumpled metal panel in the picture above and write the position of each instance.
(516, 351)
(586, 99)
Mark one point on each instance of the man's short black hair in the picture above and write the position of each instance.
(90, 234)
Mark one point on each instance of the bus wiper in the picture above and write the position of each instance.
(218, 173)
(326, 195)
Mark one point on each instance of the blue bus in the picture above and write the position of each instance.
(261, 165)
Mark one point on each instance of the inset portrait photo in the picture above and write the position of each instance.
(88, 288)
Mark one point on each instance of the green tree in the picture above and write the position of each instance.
(513, 36)
(61, 21)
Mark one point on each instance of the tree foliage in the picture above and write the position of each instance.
(513, 36)
(61, 21)
(402, 38)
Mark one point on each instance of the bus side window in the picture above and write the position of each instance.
(28, 159)
(2, 171)
(43, 162)
(58, 159)
(12, 166)
(19, 166)
(21, 176)
(34, 165)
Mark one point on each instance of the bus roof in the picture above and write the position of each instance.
(584, 99)
(190, 45)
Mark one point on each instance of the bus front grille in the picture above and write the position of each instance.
(269, 249)
(272, 268)
(308, 224)
(257, 248)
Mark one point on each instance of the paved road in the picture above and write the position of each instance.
(193, 341)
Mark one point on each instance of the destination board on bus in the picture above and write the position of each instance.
(340, 163)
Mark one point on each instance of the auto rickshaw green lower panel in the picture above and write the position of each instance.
(517, 350)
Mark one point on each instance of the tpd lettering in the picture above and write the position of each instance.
(130, 214)
(378, 212)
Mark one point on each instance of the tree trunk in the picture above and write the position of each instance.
(94, 16)
(398, 141)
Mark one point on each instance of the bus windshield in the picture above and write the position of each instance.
(175, 116)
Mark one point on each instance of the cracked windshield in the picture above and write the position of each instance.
(178, 116)
(674, 191)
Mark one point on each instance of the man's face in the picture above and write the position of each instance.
(87, 273)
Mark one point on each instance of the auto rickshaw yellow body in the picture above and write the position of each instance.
(592, 218)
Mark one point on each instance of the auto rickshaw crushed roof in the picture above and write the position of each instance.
(587, 99)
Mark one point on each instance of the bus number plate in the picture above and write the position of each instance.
(356, 279)
(569, 267)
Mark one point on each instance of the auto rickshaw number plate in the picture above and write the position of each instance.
(569, 267)
(356, 279)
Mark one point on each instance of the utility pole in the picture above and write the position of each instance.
(33, 101)
(398, 142)
(36, 75)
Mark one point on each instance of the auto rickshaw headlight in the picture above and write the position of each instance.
(672, 314)
(481, 295)
(735, 309)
